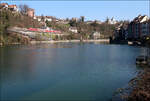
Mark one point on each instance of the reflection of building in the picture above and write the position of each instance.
(30, 12)
(139, 27)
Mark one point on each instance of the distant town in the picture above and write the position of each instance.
(47, 28)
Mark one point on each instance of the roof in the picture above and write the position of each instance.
(38, 16)
(138, 19)
(3, 4)
(12, 6)
(49, 16)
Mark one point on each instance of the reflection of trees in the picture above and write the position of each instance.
(18, 63)
(26, 63)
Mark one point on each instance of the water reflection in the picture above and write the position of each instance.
(66, 71)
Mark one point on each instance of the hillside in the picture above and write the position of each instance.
(10, 19)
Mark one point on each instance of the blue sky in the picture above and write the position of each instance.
(120, 10)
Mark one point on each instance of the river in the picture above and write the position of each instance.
(65, 71)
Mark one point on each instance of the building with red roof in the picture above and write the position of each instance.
(13, 8)
(4, 5)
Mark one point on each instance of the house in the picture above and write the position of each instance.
(34, 17)
(121, 32)
(38, 18)
(48, 18)
(98, 22)
(96, 35)
(75, 19)
(62, 21)
(111, 21)
(138, 27)
(30, 12)
(89, 22)
(13, 8)
(4, 5)
(73, 29)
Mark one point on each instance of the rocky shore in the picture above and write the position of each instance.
(140, 87)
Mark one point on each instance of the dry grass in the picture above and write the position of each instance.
(141, 87)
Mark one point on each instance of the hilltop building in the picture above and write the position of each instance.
(4, 5)
(75, 19)
(46, 18)
(111, 21)
(82, 18)
(12, 8)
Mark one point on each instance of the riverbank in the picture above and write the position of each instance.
(59, 41)
(14, 43)
(140, 87)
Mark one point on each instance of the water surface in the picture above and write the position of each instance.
(66, 71)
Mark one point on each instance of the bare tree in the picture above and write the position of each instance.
(23, 9)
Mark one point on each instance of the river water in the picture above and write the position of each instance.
(65, 71)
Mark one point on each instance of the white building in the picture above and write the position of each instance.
(112, 21)
(73, 29)
(96, 35)
(47, 18)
